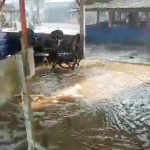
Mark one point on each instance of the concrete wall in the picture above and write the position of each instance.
(9, 80)
(9, 77)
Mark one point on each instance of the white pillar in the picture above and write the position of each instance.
(82, 25)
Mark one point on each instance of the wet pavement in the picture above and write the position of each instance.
(120, 53)
(100, 106)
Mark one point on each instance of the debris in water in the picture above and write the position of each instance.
(20, 134)
(38, 114)
(48, 123)
(5, 137)
(131, 57)
(68, 95)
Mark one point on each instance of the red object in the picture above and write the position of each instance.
(23, 22)
(2, 4)
(78, 2)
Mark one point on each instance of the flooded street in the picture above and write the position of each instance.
(101, 105)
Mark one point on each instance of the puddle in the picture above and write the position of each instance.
(99, 106)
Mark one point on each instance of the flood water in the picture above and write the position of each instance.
(101, 105)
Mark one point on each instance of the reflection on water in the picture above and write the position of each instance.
(99, 106)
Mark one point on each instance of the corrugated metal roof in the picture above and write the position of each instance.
(121, 4)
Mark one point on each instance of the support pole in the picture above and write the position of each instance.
(110, 20)
(23, 22)
(26, 102)
(98, 15)
(2, 3)
(82, 25)
(31, 11)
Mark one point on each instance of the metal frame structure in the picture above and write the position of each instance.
(111, 6)
(81, 4)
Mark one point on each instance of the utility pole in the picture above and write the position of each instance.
(22, 68)
(82, 25)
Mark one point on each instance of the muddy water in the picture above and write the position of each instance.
(112, 111)
(99, 106)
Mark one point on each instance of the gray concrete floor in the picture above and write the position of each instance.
(130, 54)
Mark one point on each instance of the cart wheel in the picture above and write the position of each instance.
(54, 64)
(69, 65)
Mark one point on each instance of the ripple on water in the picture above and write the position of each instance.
(113, 111)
